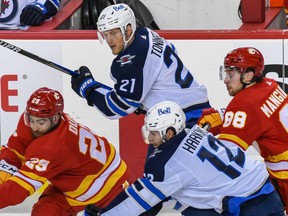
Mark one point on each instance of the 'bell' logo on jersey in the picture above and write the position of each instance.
(164, 111)
(126, 59)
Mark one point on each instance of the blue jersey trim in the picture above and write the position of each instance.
(153, 189)
(138, 199)
(232, 204)
(195, 111)
(177, 206)
(113, 107)
(131, 103)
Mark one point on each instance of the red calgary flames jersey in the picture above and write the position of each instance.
(260, 113)
(86, 167)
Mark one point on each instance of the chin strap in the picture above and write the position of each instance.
(124, 39)
(245, 84)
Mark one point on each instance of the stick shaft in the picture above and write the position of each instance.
(36, 58)
(41, 60)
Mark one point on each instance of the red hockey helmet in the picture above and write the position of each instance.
(245, 57)
(45, 103)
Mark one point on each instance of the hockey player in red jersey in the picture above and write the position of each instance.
(50, 146)
(258, 112)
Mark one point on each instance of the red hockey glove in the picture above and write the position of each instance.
(211, 120)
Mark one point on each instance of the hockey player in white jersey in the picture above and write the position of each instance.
(206, 175)
(20, 14)
(146, 71)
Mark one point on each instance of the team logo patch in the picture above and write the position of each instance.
(153, 154)
(4, 5)
(8, 10)
(126, 59)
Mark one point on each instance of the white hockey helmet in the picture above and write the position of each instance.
(162, 116)
(116, 16)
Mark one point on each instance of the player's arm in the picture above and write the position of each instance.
(35, 13)
(145, 193)
(106, 100)
(12, 153)
(211, 119)
(9, 163)
(6, 171)
(14, 194)
(124, 203)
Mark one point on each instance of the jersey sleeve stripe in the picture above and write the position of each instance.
(117, 99)
(29, 184)
(131, 103)
(113, 107)
(123, 102)
(234, 139)
(149, 185)
(131, 191)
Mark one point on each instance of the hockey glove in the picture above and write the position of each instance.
(91, 210)
(84, 83)
(6, 171)
(140, 111)
(35, 13)
(211, 120)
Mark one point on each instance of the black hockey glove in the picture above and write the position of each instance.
(91, 210)
(35, 13)
(84, 83)
(140, 111)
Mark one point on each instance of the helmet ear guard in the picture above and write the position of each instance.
(145, 134)
(163, 116)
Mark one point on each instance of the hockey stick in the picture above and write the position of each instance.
(42, 60)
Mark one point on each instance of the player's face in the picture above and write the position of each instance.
(155, 139)
(39, 126)
(169, 134)
(114, 39)
(232, 81)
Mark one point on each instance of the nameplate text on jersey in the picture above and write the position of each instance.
(193, 139)
(158, 44)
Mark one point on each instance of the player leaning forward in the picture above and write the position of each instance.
(209, 176)
(49, 146)
(257, 112)
(145, 71)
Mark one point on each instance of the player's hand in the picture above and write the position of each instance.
(6, 171)
(140, 111)
(91, 210)
(84, 83)
(33, 14)
(211, 120)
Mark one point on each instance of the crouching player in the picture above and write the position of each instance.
(48, 146)
(210, 177)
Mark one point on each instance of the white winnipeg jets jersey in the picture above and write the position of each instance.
(147, 72)
(10, 11)
(199, 171)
